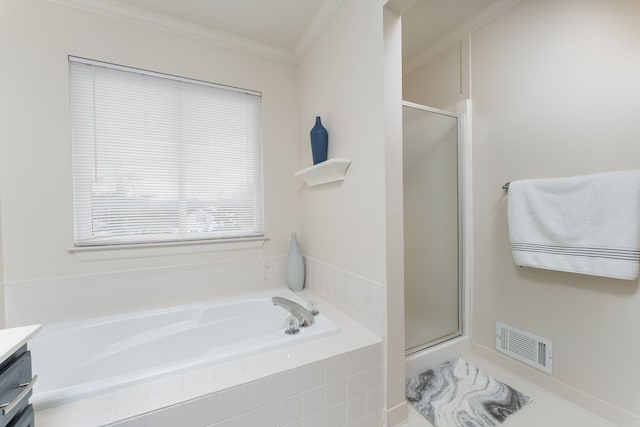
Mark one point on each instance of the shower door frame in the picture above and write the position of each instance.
(462, 114)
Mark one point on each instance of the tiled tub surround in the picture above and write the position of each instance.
(94, 295)
(360, 298)
(47, 300)
(331, 382)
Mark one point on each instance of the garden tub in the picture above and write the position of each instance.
(78, 359)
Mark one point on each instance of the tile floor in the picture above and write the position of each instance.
(546, 409)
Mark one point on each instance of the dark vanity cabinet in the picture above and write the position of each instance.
(16, 381)
(16, 378)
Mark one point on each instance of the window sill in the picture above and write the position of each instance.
(95, 253)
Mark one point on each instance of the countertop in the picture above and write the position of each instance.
(12, 339)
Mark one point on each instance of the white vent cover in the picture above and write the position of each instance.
(523, 346)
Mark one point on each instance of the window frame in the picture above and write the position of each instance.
(170, 239)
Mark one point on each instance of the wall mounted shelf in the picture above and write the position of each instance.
(328, 171)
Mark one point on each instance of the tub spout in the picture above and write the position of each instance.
(304, 316)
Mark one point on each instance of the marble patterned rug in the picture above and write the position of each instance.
(457, 394)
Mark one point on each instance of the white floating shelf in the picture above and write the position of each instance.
(328, 171)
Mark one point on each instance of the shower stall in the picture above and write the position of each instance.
(436, 169)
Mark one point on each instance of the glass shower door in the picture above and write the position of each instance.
(431, 227)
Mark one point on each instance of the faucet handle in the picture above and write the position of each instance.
(292, 325)
(312, 306)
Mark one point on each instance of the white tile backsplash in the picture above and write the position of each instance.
(82, 414)
(356, 362)
(233, 402)
(374, 400)
(316, 420)
(289, 383)
(336, 392)
(133, 422)
(375, 378)
(360, 298)
(361, 422)
(78, 297)
(267, 416)
(201, 412)
(289, 410)
(337, 415)
(356, 385)
(375, 357)
(164, 391)
(313, 401)
(198, 383)
(336, 368)
(229, 373)
(356, 409)
(313, 376)
(243, 420)
(128, 402)
(256, 366)
(375, 419)
(169, 417)
(262, 392)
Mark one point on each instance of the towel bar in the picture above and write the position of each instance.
(506, 186)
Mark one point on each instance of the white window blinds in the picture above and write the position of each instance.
(158, 158)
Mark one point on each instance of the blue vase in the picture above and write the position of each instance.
(319, 142)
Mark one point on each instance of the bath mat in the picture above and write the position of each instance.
(457, 394)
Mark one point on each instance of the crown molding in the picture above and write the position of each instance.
(134, 15)
(322, 17)
(469, 26)
(399, 6)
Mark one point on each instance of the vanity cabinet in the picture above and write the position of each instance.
(16, 378)
(24, 419)
(15, 388)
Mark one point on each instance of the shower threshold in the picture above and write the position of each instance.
(430, 344)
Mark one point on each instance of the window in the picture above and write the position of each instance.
(158, 158)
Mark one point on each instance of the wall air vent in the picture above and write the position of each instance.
(523, 346)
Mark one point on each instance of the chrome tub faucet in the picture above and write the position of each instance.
(304, 316)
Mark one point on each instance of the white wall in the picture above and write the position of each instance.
(35, 148)
(394, 337)
(436, 83)
(555, 88)
(341, 80)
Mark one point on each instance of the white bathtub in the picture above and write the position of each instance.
(82, 358)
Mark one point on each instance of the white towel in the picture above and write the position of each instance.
(585, 224)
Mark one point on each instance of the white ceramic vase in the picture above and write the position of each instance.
(295, 266)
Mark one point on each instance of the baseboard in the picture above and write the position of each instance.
(397, 415)
(613, 414)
